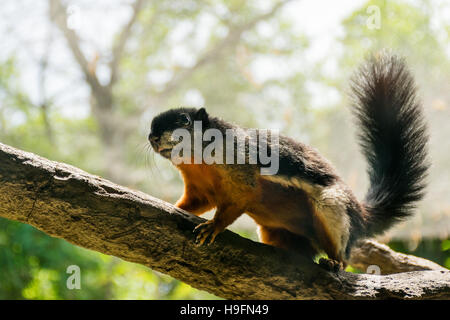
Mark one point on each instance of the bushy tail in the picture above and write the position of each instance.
(393, 139)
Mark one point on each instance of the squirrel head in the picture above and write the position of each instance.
(164, 125)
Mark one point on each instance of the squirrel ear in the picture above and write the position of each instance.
(201, 114)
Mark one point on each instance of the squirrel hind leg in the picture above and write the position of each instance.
(287, 240)
(332, 265)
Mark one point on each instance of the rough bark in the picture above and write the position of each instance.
(94, 213)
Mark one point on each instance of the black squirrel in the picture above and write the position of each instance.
(305, 206)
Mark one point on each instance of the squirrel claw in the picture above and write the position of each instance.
(331, 265)
(206, 230)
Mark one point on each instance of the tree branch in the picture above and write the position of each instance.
(370, 252)
(91, 212)
(58, 14)
(218, 49)
(124, 35)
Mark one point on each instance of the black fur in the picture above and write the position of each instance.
(302, 161)
(175, 118)
(393, 138)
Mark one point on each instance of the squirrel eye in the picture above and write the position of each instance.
(185, 119)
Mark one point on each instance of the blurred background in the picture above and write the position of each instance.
(81, 80)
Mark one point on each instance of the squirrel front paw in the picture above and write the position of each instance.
(208, 229)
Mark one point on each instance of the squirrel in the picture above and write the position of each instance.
(306, 207)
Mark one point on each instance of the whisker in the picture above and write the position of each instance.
(149, 156)
(142, 159)
(155, 162)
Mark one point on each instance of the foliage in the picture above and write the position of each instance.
(34, 266)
